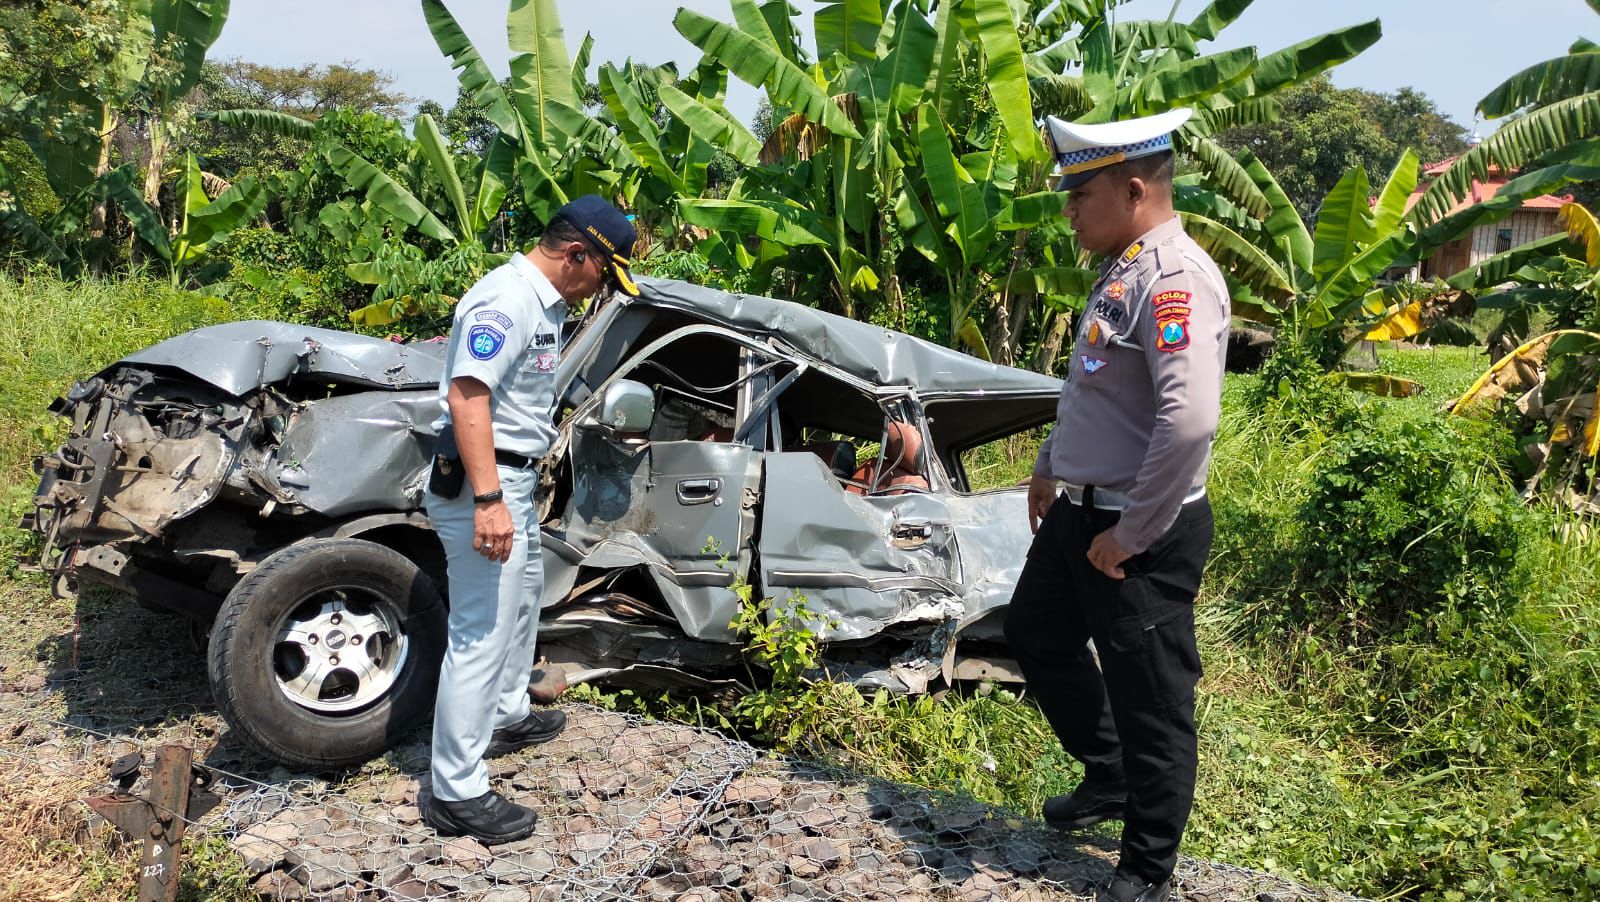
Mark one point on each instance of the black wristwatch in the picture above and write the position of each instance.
(487, 497)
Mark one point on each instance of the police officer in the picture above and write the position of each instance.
(498, 392)
(1117, 555)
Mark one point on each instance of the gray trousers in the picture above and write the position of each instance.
(494, 620)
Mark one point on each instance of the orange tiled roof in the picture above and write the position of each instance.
(1481, 191)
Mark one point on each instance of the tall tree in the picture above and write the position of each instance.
(1325, 132)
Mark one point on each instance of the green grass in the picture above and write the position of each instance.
(1482, 783)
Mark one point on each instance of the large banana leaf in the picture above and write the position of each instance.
(1583, 228)
(958, 198)
(849, 28)
(710, 126)
(1189, 80)
(472, 72)
(267, 122)
(387, 194)
(945, 83)
(1284, 225)
(188, 28)
(760, 65)
(784, 224)
(580, 65)
(69, 157)
(443, 163)
(747, 15)
(1498, 269)
(1344, 224)
(1343, 291)
(1242, 259)
(1026, 211)
(119, 185)
(1542, 83)
(1391, 205)
(900, 79)
(592, 133)
(496, 172)
(541, 71)
(1219, 15)
(131, 57)
(1056, 281)
(245, 200)
(1224, 173)
(1307, 59)
(637, 126)
(780, 18)
(1007, 77)
(1517, 142)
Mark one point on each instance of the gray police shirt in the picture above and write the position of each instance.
(507, 334)
(1144, 387)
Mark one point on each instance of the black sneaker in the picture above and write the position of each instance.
(1124, 888)
(490, 818)
(1088, 805)
(539, 726)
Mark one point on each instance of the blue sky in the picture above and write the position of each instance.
(1454, 50)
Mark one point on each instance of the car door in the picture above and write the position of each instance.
(680, 502)
(864, 559)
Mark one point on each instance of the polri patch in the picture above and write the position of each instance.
(1116, 290)
(1092, 365)
(495, 316)
(1109, 310)
(1170, 297)
(1172, 329)
(485, 341)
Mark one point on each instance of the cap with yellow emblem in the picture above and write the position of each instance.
(1084, 150)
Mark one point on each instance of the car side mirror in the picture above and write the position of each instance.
(627, 409)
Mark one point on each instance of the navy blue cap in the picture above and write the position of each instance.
(608, 230)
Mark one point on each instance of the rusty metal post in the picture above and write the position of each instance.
(174, 795)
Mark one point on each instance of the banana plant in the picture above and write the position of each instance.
(205, 222)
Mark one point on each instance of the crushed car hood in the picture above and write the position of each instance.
(241, 357)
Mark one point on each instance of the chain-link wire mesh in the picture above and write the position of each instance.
(629, 808)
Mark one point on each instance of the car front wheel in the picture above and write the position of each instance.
(328, 652)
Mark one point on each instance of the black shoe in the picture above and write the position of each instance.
(1088, 805)
(539, 726)
(489, 818)
(1135, 889)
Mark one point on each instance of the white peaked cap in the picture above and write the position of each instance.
(1083, 150)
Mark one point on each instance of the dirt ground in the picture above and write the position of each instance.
(629, 808)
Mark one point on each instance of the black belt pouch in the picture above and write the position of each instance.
(448, 474)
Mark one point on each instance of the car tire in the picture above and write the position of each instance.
(328, 652)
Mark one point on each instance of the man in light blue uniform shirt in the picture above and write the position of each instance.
(498, 395)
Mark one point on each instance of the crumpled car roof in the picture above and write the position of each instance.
(879, 355)
(240, 357)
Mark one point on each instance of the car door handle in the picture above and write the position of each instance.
(699, 491)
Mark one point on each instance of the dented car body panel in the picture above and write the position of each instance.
(776, 430)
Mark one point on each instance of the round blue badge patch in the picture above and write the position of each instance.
(485, 341)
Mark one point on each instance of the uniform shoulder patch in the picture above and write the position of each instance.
(1167, 298)
(493, 316)
(485, 341)
(1172, 329)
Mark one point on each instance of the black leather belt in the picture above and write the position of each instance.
(513, 459)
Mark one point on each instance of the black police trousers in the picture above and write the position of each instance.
(1131, 719)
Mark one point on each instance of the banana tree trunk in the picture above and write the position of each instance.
(159, 144)
(108, 127)
(1055, 337)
